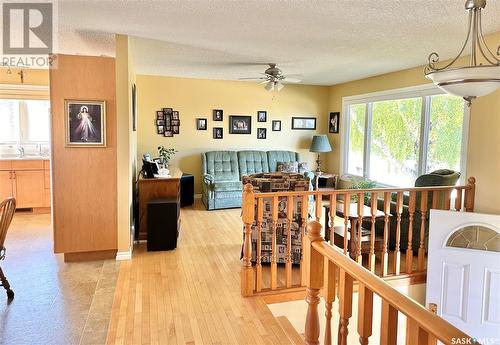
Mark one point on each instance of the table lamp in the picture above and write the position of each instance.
(320, 144)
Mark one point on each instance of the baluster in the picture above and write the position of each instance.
(304, 209)
(289, 216)
(365, 313)
(329, 295)
(458, 200)
(385, 252)
(388, 324)
(258, 265)
(423, 219)
(345, 305)
(347, 204)
(409, 250)
(274, 263)
(470, 194)
(333, 212)
(359, 257)
(318, 210)
(314, 282)
(397, 253)
(436, 196)
(247, 213)
(415, 335)
(373, 212)
(432, 340)
(447, 199)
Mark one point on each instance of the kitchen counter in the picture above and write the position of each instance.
(24, 158)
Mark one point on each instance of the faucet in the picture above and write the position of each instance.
(21, 150)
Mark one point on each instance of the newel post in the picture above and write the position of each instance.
(248, 217)
(470, 194)
(314, 281)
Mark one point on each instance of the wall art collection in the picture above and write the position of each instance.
(167, 122)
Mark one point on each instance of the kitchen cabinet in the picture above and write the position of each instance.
(26, 180)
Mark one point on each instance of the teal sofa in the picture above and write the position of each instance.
(222, 172)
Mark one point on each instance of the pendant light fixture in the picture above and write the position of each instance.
(480, 77)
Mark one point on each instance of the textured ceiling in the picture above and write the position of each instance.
(325, 41)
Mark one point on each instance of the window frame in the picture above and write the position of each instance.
(423, 91)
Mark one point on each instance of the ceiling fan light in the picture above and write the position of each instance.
(269, 86)
(279, 85)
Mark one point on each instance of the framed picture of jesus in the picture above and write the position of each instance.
(85, 123)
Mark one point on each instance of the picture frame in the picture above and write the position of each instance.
(262, 116)
(333, 124)
(168, 133)
(175, 115)
(175, 129)
(261, 133)
(218, 114)
(85, 123)
(201, 124)
(160, 115)
(240, 124)
(176, 122)
(167, 111)
(160, 129)
(218, 133)
(304, 123)
(160, 122)
(276, 125)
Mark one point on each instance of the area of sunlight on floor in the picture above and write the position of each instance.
(296, 311)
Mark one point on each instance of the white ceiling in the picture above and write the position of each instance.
(327, 42)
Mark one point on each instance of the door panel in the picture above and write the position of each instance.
(5, 185)
(491, 304)
(29, 190)
(454, 295)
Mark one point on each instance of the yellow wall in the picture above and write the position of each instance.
(195, 98)
(31, 76)
(483, 158)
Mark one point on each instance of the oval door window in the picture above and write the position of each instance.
(475, 237)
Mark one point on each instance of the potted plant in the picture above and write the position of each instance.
(365, 184)
(165, 155)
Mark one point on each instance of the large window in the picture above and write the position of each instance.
(24, 121)
(394, 138)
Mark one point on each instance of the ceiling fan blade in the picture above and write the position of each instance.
(292, 80)
(255, 78)
(264, 81)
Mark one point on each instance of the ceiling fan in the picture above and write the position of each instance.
(273, 77)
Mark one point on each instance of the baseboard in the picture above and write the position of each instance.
(90, 256)
(125, 255)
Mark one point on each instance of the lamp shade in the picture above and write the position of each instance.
(320, 143)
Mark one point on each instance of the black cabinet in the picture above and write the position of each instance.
(163, 223)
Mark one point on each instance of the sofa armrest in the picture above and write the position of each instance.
(208, 179)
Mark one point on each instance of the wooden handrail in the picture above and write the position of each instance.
(418, 316)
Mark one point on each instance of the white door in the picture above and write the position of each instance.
(463, 274)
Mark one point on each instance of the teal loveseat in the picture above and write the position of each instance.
(222, 172)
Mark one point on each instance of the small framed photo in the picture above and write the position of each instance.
(262, 116)
(160, 129)
(276, 125)
(217, 133)
(305, 123)
(168, 134)
(218, 114)
(159, 115)
(175, 115)
(167, 111)
(333, 125)
(201, 124)
(175, 129)
(240, 124)
(176, 122)
(160, 122)
(85, 123)
(261, 133)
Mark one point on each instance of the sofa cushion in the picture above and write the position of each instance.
(222, 165)
(288, 167)
(225, 186)
(273, 157)
(252, 162)
(303, 167)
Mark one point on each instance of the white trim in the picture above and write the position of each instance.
(392, 94)
(23, 87)
(465, 145)
(126, 255)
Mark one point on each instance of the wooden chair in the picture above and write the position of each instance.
(7, 209)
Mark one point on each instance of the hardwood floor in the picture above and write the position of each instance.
(191, 295)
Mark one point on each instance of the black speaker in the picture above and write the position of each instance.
(187, 190)
(163, 216)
